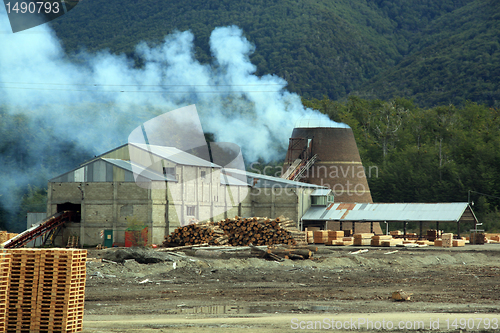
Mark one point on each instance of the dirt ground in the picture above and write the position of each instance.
(453, 290)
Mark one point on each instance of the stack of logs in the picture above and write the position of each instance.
(238, 231)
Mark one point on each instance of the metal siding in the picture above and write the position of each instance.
(131, 167)
(99, 173)
(79, 175)
(109, 172)
(118, 174)
(90, 172)
(129, 176)
(33, 218)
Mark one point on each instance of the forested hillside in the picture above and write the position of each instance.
(452, 60)
(376, 49)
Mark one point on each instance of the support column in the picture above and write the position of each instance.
(421, 226)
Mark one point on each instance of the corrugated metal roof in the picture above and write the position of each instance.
(380, 212)
(229, 180)
(139, 169)
(259, 180)
(320, 192)
(175, 155)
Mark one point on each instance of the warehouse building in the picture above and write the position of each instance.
(177, 188)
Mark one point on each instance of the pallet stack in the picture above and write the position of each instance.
(47, 289)
(4, 286)
(61, 291)
(22, 295)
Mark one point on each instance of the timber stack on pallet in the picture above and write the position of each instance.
(478, 238)
(363, 239)
(377, 240)
(238, 231)
(447, 239)
(46, 291)
(4, 287)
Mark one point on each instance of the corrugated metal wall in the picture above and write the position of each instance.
(98, 171)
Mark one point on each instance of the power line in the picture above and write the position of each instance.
(148, 85)
(146, 91)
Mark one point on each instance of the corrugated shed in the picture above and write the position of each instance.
(430, 212)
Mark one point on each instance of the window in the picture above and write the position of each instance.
(318, 200)
(203, 175)
(330, 199)
(169, 171)
(191, 211)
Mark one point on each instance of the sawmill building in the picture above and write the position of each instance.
(179, 188)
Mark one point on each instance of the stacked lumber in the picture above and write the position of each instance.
(447, 239)
(4, 286)
(458, 242)
(5, 236)
(477, 238)
(493, 237)
(332, 236)
(395, 233)
(377, 240)
(310, 236)
(433, 234)
(391, 242)
(344, 241)
(238, 232)
(46, 291)
(363, 239)
(438, 242)
(319, 236)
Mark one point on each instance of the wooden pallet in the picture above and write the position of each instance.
(72, 242)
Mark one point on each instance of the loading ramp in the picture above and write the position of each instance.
(47, 227)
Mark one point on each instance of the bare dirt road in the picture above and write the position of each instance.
(453, 289)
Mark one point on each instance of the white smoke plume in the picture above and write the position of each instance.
(95, 100)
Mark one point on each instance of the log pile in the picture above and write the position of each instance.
(238, 232)
(279, 253)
